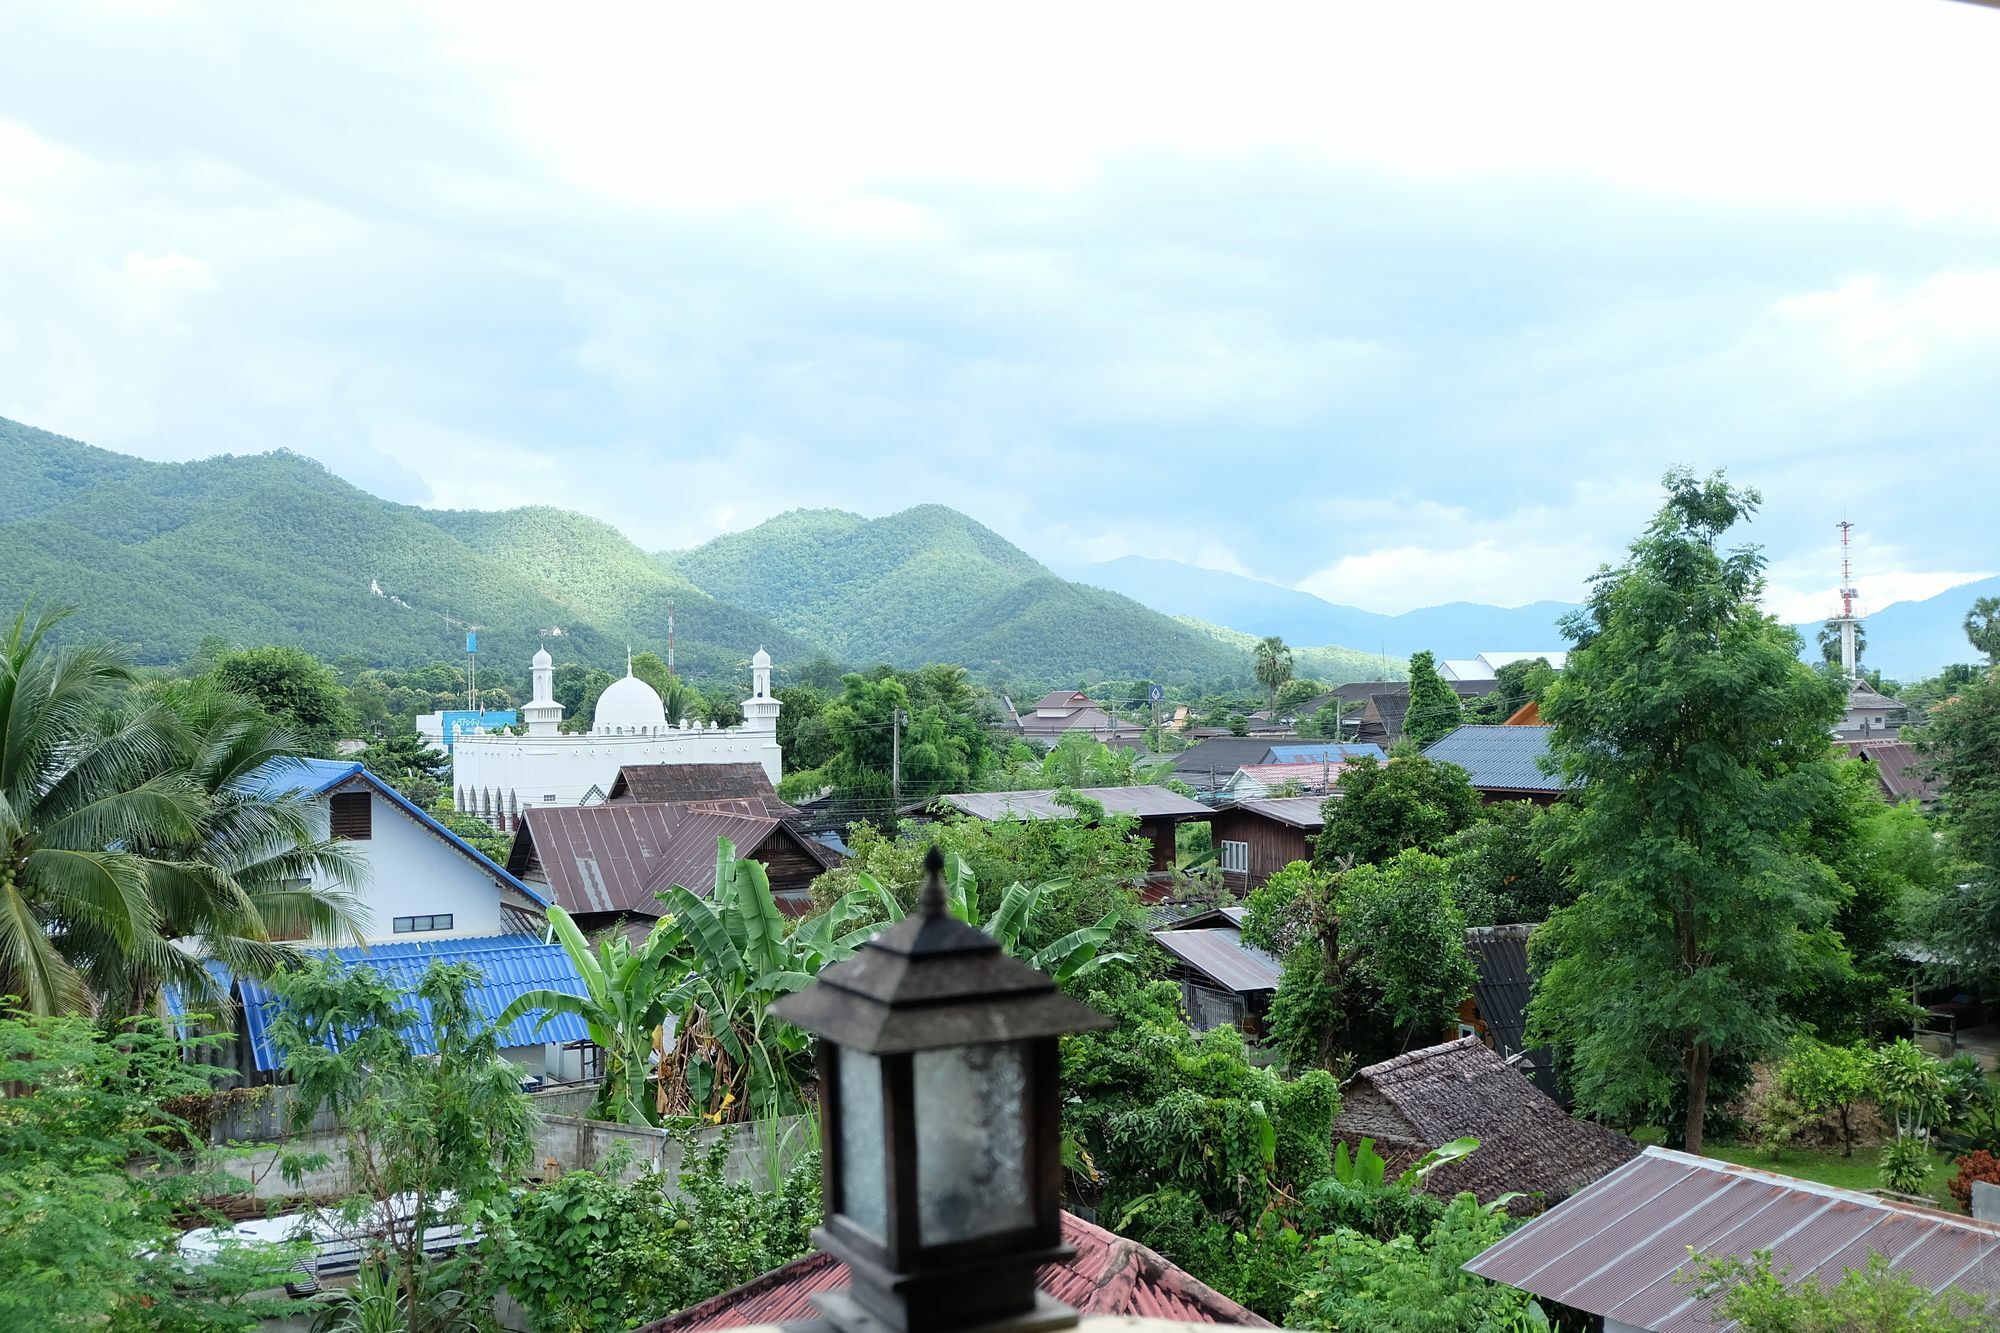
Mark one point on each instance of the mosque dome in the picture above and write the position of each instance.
(761, 660)
(628, 704)
(543, 659)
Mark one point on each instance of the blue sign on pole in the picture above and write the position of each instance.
(1154, 694)
(471, 641)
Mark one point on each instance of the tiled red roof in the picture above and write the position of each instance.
(1110, 1275)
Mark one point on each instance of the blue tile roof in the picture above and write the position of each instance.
(1499, 758)
(1325, 752)
(509, 966)
(319, 776)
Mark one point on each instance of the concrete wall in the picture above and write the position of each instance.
(564, 1141)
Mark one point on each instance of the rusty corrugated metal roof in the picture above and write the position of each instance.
(1110, 1275)
(1613, 1249)
(620, 858)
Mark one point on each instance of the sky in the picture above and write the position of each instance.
(1394, 304)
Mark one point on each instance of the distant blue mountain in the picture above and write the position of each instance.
(1908, 641)
(1456, 629)
(1912, 640)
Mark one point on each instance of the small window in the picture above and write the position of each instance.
(406, 925)
(352, 815)
(1236, 857)
(1467, 1030)
(548, 798)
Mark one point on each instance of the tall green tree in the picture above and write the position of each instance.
(1700, 743)
(1828, 639)
(677, 697)
(410, 764)
(299, 691)
(1434, 708)
(1962, 745)
(443, 1133)
(1982, 628)
(1271, 662)
(1383, 809)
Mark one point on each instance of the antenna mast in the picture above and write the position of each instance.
(1849, 646)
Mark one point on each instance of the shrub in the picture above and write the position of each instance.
(1906, 1164)
(1974, 1166)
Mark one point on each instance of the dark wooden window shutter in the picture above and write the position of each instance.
(352, 814)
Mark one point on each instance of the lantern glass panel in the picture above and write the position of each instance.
(863, 1173)
(973, 1168)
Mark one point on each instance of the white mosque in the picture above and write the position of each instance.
(498, 776)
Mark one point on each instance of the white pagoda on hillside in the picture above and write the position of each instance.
(497, 776)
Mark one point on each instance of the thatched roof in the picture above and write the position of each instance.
(1527, 1144)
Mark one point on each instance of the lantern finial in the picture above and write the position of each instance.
(932, 903)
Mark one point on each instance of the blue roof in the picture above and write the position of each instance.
(319, 776)
(1499, 758)
(1325, 752)
(509, 965)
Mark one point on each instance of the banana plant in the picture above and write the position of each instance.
(1074, 956)
(626, 1000)
(729, 957)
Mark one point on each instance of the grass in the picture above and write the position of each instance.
(1859, 1172)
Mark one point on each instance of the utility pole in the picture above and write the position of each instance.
(670, 640)
(896, 720)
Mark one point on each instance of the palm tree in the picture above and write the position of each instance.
(1829, 642)
(73, 806)
(125, 826)
(1272, 662)
(242, 888)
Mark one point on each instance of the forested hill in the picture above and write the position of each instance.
(930, 584)
(273, 548)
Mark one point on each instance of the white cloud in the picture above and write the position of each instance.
(1503, 573)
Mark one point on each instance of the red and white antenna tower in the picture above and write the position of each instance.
(1849, 647)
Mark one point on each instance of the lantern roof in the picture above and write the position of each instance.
(932, 981)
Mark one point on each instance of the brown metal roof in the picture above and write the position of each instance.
(620, 858)
(665, 783)
(1613, 1250)
(1221, 955)
(1898, 767)
(1145, 802)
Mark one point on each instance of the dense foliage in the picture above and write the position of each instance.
(445, 1132)
(1698, 738)
(1383, 809)
(1764, 1299)
(1962, 744)
(1434, 708)
(91, 1227)
(589, 1254)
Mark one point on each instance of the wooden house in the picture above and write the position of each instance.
(1256, 839)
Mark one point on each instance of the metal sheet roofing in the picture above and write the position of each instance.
(1110, 1275)
(1324, 752)
(509, 966)
(1306, 812)
(316, 777)
(662, 783)
(1898, 767)
(620, 857)
(1144, 802)
(1613, 1250)
(1503, 984)
(1499, 758)
(1221, 955)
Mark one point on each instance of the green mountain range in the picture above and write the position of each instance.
(273, 548)
(930, 584)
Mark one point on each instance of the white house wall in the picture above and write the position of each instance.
(497, 777)
(414, 872)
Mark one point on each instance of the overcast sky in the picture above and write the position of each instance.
(1395, 303)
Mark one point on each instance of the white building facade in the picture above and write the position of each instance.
(496, 777)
